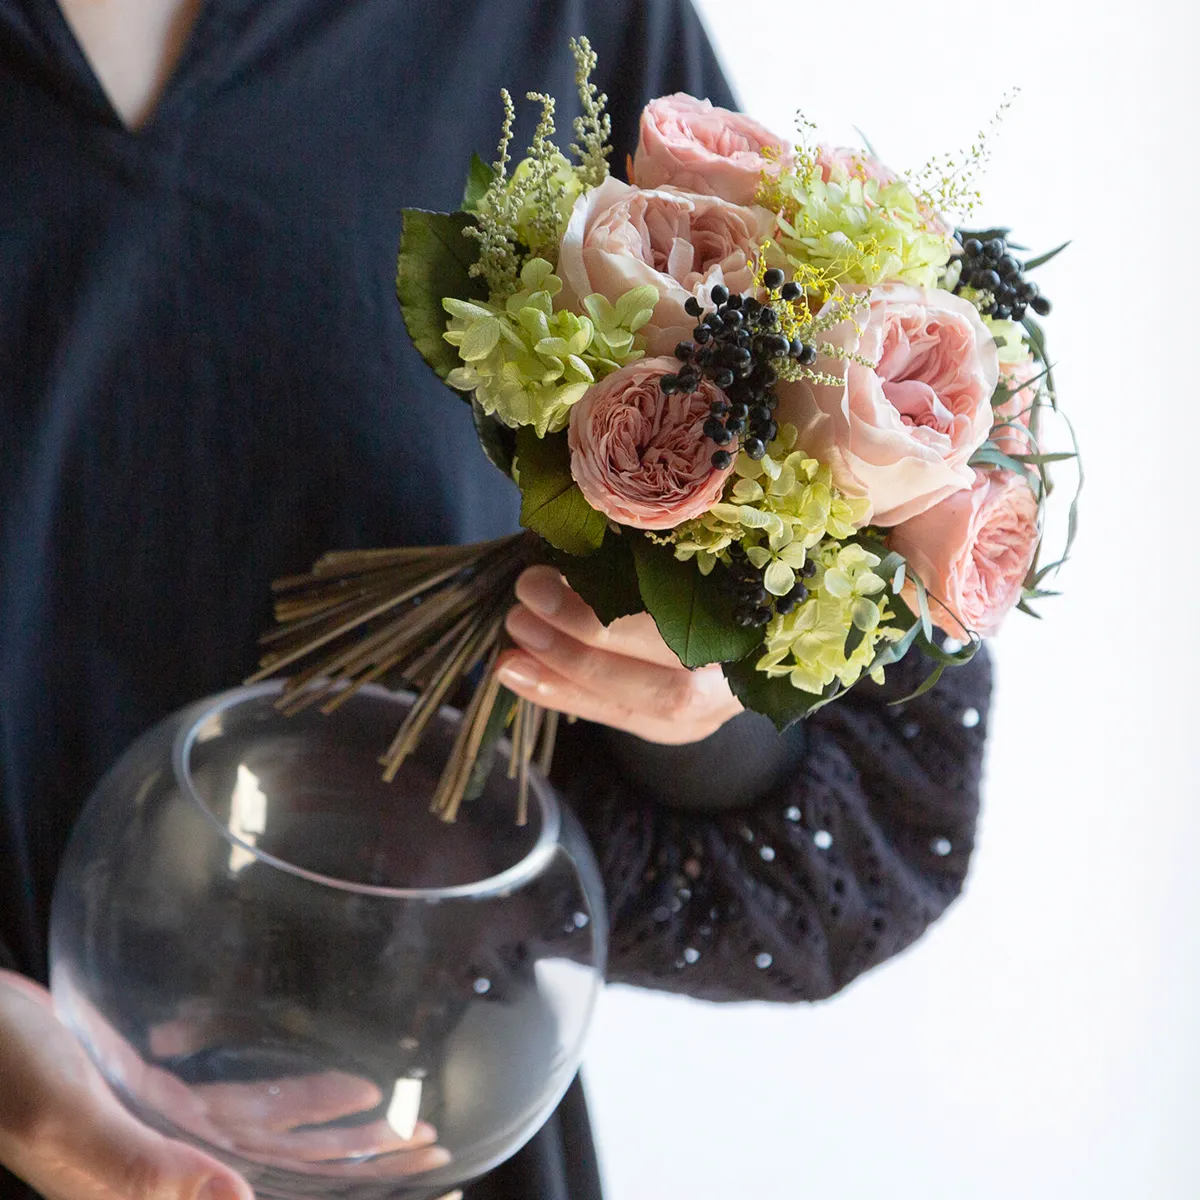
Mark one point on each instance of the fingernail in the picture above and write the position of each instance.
(219, 1187)
(520, 676)
(710, 682)
(529, 631)
(542, 590)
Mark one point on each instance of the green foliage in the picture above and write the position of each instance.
(693, 612)
(498, 441)
(607, 580)
(551, 503)
(775, 697)
(503, 708)
(435, 262)
(1042, 259)
(479, 179)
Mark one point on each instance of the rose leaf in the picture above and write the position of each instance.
(607, 579)
(693, 612)
(435, 262)
(551, 503)
(776, 698)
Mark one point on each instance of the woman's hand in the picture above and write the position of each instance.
(623, 675)
(63, 1131)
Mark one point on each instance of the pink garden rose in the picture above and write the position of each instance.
(901, 432)
(640, 457)
(1018, 408)
(857, 164)
(973, 551)
(621, 237)
(692, 145)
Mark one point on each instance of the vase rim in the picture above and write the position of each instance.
(525, 868)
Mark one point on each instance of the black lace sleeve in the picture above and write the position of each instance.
(842, 865)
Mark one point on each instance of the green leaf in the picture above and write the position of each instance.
(1023, 607)
(693, 612)
(607, 580)
(893, 652)
(1043, 459)
(479, 179)
(1037, 342)
(866, 141)
(774, 698)
(493, 731)
(853, 640)
(892, 569)
(1042, 259)
(959, 658)
(991, 456)
(927, 684)
(923, 607)
(551, 503)
(435, 262)
(499, 442)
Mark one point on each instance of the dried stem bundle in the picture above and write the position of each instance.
(427, 617)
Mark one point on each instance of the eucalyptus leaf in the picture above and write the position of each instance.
(435, 261)
(774, 698)
(958, 658)
(923, 607)
(693, 612)
(892, 652)
(1042, 259)
(551, 503)
(929, 682)
(479, 179)
(892, 569)
(1043, 459)
(1037, 342)
(990, 455)
(866, 141)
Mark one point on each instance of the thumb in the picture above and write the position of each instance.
(112, 1156)
(65, 1133)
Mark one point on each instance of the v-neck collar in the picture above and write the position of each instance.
(77, 67)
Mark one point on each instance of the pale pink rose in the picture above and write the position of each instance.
(972, 552)
(640, 457)
(901, 432)
(1018, 408)
(845, 161)
(621, 237)
(690, 144)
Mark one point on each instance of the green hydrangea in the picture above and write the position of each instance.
(527, 184)
(778, 508)
(528, 364)
(1009, 337)
(808, 645)
(856, 231)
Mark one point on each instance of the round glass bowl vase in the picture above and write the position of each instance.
(275, 955)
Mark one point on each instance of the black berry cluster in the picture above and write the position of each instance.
(988, 266)
(754, 603)
(735, 345)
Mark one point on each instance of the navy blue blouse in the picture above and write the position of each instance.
(205, 383)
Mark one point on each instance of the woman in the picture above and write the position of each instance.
(205, 382)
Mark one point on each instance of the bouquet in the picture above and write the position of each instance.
(774, 395)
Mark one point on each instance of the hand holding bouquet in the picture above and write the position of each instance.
(766, 393)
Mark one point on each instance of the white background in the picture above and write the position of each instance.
(1041, 1041)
